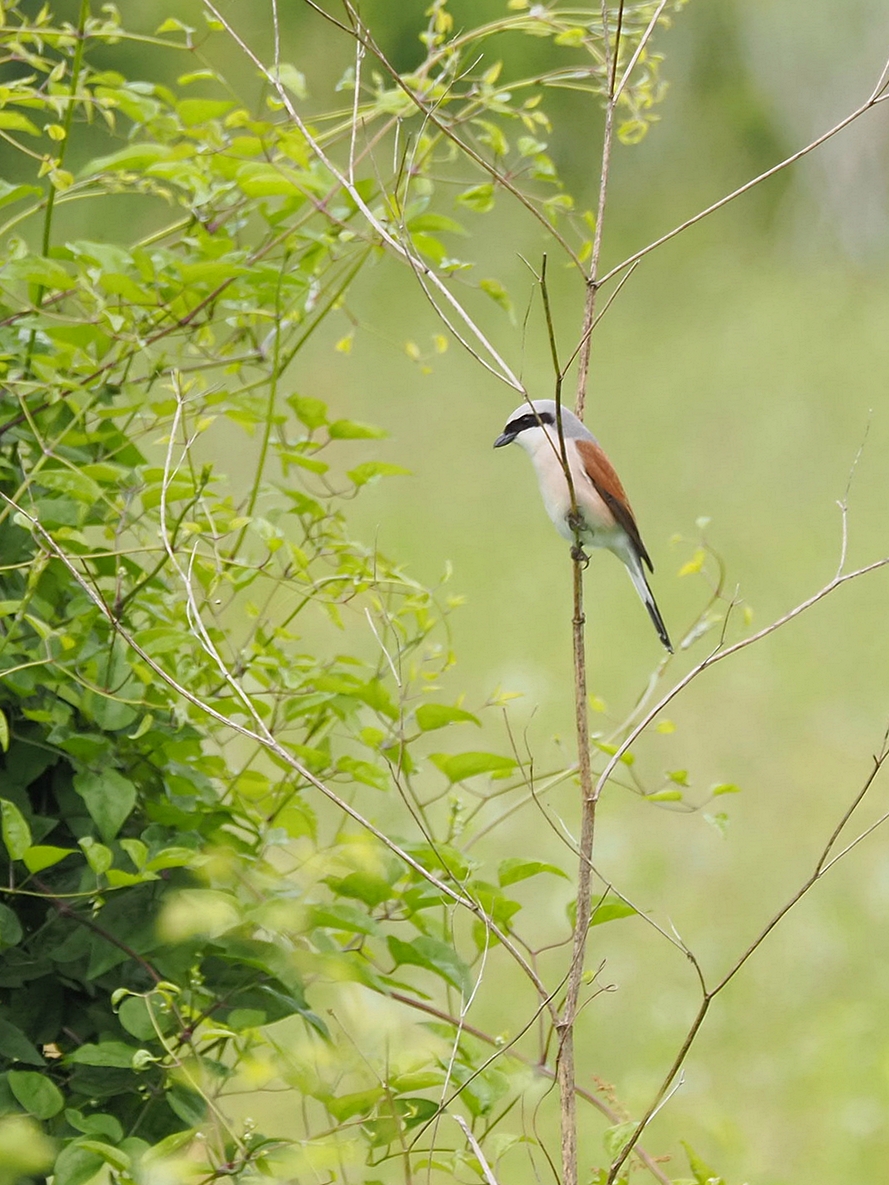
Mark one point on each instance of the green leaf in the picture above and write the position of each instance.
(414, 1111)
(95, 1125)
(98, 856)
(187, 1104)
(13, 193)
(14, 121)
(136, 157)
(135, 1015)
(492, 135)
(109, 713)
(611, 750)
(44, 856)
(197, 111)
(725, 788)
(528, 146)
(246, 1018)
(109, 798)
(75, 1165)
(433, 955)
(664, 796)
(516, 869)
(615, 1138)
(610, 909)
(719, 822)
(172, 25)
(365, 772)
(116, 1157)
(703, 1174)
(371, 470)
(106, 1053)
(37, 1093)
(265, 180)
(311, 412)
(430, 246)
(435, 222)
(364, 886)
(353, 430)
(479, 197)
(294, 80)
(16, 1046)
(632, 131)
(497, 293)
(432, 716)
(73, 483)
(169, 1146)
(171, 858)
(10, 928)
(4, 733)
(136, 850)
(343, 917)
(15, 830)
(27, 1153)
(361, 1102)
(459, 766)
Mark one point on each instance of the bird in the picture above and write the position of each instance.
(604, 517)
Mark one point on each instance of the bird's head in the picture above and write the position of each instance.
(530, 422)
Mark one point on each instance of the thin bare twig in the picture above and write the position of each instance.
(875, 98)
(592, 279)
(843, 503)
(583, 911)
(723, 652)
(637, 53)
(822, 866)
(476, 1148)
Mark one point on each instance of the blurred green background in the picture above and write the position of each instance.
(735, 377)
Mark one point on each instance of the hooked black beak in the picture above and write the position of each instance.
(504, 438)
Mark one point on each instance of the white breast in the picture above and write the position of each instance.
(600, 529)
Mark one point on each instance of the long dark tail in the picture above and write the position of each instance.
(641, 585)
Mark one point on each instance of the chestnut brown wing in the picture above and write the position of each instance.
(601, 473)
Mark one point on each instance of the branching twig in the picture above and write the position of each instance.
(592, 279)
(721, 652)
(476, 1148)
(877, 96)
(822, 866)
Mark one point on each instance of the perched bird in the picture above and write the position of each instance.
(604, 515)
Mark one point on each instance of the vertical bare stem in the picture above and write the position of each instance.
(568, 1017)
(565, 1067)
(592, 280)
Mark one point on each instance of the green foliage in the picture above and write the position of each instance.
(188, 759)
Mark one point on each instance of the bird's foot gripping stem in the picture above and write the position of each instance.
(576, 524)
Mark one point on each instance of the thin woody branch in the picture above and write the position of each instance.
(877, 96)
(822, 866)
(723, 652)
